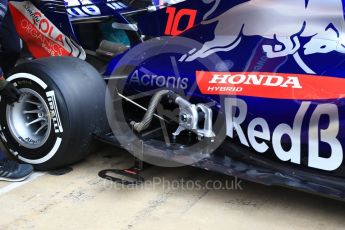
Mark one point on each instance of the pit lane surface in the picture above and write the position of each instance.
(81, 200)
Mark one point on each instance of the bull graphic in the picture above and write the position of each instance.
(284, 21)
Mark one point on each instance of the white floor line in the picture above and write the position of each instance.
(14, 185)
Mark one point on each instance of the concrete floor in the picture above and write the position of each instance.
(81, 200)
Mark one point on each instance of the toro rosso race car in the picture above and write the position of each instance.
(248, 88)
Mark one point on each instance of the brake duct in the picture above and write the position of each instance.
(190, 115)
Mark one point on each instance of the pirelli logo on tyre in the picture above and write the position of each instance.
(54, 112)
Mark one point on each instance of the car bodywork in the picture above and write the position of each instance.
(279, 83)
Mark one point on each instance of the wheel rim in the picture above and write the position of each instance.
(29, 119)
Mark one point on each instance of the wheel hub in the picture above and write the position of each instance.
(29, 119)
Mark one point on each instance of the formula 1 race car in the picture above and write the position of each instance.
(248, 88)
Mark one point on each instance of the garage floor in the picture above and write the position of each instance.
(81, 200)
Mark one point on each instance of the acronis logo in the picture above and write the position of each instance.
(142, 79)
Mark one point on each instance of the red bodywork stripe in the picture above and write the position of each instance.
(271, 85)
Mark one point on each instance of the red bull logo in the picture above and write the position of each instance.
(285, 22)
(262, 138)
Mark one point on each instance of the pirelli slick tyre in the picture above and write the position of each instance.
(61, 106)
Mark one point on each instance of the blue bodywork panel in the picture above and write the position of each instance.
(275, 70)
